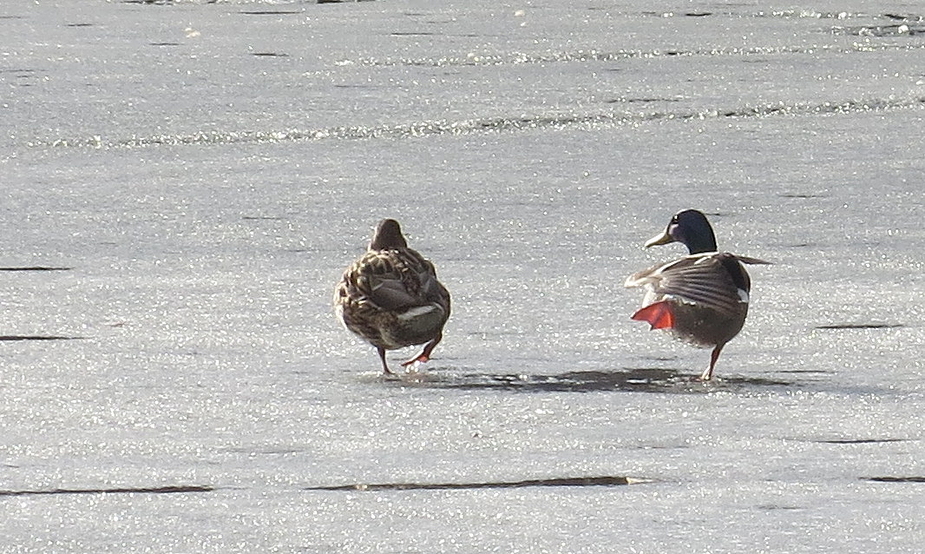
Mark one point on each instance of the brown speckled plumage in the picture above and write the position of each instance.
(391, 296)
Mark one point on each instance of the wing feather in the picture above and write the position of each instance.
(709, 280)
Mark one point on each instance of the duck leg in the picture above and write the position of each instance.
(708, 373)
(385, 366)
(424, 356)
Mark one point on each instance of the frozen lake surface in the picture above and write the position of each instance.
(184, 182)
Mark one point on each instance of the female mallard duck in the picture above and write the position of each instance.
(391, 296)
(701, 298)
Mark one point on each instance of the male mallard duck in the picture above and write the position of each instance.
(391, 296)
(701, 298)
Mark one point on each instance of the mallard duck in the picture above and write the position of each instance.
(701, 298)
(391, 296)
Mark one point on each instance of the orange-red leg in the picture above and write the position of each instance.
(708, 374)
(424, 356)
(385, 366)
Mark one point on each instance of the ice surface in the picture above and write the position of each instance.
(201, 173)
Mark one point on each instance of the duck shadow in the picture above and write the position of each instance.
(642, 379)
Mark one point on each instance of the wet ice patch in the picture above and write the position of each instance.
(653, 380)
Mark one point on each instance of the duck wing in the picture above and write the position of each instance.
(752, 261)
(713, 280)
(397, 279)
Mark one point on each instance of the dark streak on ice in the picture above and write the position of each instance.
(838, 326)
(890, 479)
(128, 490)
(801, 196)
(35, 268)
(859, 441)
(14, 338)
(808, 371)
(640, 100)
(271, 12)
(772, 507)
(554, 482)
